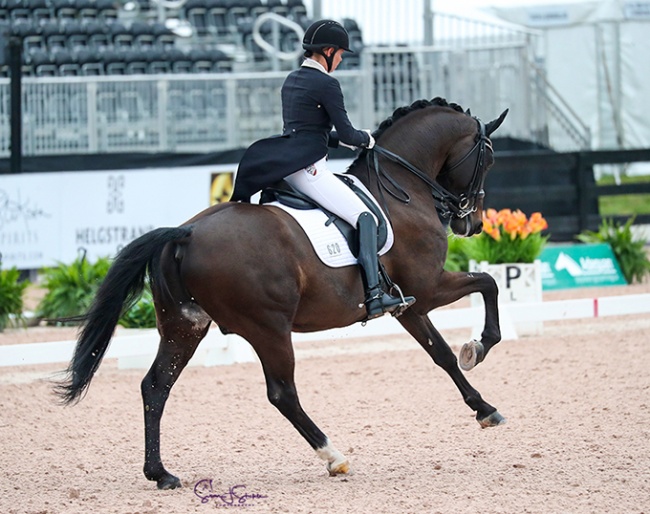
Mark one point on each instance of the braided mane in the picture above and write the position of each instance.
(400, 112)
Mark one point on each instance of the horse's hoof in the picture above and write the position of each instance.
(341, 468)
(471, 354)
(493, 420)
(169, 482)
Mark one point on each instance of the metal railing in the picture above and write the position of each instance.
(220, 111)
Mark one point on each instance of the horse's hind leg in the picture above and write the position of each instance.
(278, 361)
(179, 338)
(421, 328)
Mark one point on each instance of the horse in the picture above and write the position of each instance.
(250, 269)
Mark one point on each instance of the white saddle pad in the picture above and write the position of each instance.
(328, 242)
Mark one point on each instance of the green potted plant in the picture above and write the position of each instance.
(508, 237)
(71, 288)
(11, 297)
(507, 249)
(629, 252)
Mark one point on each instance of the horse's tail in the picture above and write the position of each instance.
(119, 290)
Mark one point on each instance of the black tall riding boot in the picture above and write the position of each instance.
(377, 301)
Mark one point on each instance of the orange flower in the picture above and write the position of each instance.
(491, 215)
(503, 216)
(494, 233)
(515, 224)
(525, 232)
(537, 223)
(510, 236)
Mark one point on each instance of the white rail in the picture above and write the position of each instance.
(139, 349)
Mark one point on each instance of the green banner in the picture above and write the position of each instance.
(580, 265)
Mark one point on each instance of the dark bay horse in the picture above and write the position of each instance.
(251, 269)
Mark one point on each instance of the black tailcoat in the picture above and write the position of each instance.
(312, 103)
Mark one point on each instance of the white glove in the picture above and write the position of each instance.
(371, 143)
(348, 146)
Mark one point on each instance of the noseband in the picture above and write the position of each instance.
(448, 204)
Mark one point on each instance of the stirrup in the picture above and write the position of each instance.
(405, 304)
(376, 307)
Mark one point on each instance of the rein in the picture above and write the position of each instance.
(447, 203)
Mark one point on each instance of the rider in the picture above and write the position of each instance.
(312, 102)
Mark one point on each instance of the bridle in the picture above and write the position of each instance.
(448, 204)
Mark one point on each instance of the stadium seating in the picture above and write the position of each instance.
(90, 61)
(92, 37)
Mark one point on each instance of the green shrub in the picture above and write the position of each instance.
(142, 314)
(11, 297)
(629, 253)
(71, 288)
(457, 259)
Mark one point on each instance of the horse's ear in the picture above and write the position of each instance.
(495, 124)
(468, 112)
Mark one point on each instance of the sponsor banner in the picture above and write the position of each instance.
(581, 265)
(47, 218)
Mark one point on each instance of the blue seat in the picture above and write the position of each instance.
(180, 61)
(120, 34)
(86, 9)
(142, 32)
(76, 34)
(42, 62)
(90, 62)
(158, 61)
(136, 60)
(66, 62)
(40, 10)
(52, 33)
(64, 10)
(97, 33)
(106, 10)
(163, 37)
(113, 59)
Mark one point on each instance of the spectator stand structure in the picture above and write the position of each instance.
(82, 37)
(108, 76)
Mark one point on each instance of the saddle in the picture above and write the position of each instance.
(283, 193)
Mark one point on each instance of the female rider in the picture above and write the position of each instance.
(312, 103)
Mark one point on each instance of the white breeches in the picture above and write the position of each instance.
(320, 184)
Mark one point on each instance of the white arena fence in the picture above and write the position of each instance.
(138, 350)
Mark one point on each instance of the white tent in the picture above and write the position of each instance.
(597, 56)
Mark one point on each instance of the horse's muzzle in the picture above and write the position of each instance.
(467, 226)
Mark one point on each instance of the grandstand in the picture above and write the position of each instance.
(105, 37)
(199, 76)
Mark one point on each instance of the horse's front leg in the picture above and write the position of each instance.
(453, 286)
(421, 328)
